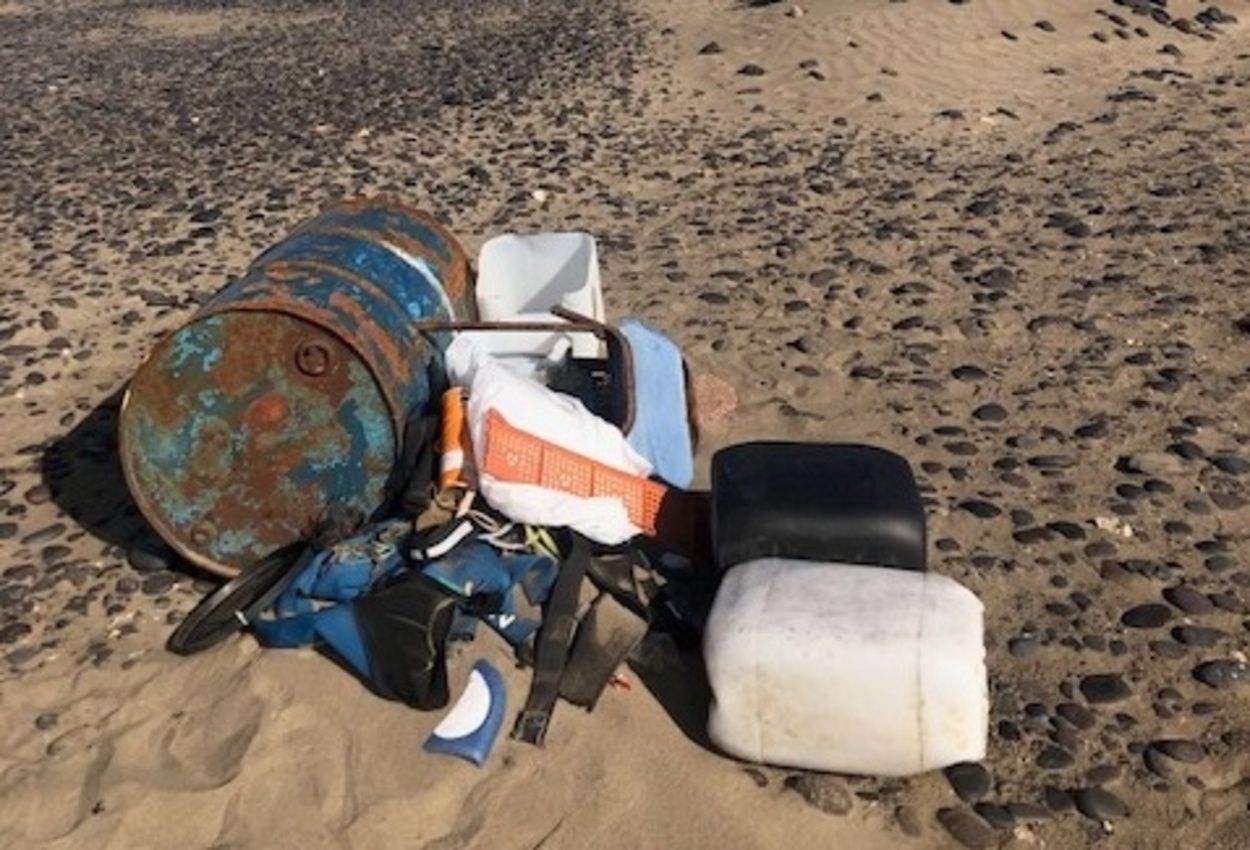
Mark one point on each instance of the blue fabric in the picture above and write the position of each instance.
(305, 613)
(478, 570)
(661, 430)
(335, 627)
(336, 575)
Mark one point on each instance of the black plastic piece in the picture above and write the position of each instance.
(228, 608)
(839, 502)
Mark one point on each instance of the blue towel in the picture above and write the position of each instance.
(661, 431)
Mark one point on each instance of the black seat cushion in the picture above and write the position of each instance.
(838, 502)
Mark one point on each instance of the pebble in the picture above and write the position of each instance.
(1100, 804)
(751, 70)
(37, 495)
(980, 508)
(1197, 635)
(995, 815)
(13, 632)
(1054, 758)
(970, 780)
(1076, 714)
(45, 534)
(1102, 774)
(823, 791)
(1057, 800)
(1152, 615)
(1158, 764)
(1105, 688)
(1028, 811)
(46, 720)
(147, 561)
(966, 828)
(990, 413)
(1189, 600)
(157, 583)
(1180, 749)
(1152, 463)
(969, 373)
(909, 821)
(1222, 674)
(757, 776)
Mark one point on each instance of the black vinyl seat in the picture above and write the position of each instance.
(838, 502)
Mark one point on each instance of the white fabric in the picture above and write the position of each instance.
(557, 418)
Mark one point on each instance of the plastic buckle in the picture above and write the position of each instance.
(531, 727)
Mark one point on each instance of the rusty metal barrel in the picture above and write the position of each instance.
(289, 391)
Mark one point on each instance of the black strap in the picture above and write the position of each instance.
(605, 637)
(552, 646)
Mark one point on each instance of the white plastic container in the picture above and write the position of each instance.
(849, 669)
(522, 277)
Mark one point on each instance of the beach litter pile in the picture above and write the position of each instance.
(384, 452)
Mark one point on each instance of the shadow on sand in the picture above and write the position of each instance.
(678, 682)
(83, 473)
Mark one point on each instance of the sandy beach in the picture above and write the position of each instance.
(1007, 239)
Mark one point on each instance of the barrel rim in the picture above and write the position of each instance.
(459, 268)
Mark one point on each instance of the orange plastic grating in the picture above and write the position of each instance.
(518, 456)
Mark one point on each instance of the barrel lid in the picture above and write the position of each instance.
(240, 429)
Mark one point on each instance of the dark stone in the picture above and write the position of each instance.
(13, 632)
(1076, 714)
(1197, 635)
(1054, 758)
(710, 48)
(990, 413)
(1152, 615)
(909, 821)
(966, 828)
(970, 780)
(822, 791)
(146, 561)
(1180, 749)
(995, 815)
(751, 70)
(1104, 688)
(1100, 804)
(157, 583)
(46, 720)
(1158, 764)
(1067, 530)
(1023, 647)
(1028, 812)
(1222, 674)
(1102, 774)
(1057, 800)
(969, 372)
(980, 508)
(1189, 600)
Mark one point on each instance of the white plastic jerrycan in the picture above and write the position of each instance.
(849, 669)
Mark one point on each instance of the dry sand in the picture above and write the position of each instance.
(1008, 239)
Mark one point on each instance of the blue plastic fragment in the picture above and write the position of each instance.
(469, 730)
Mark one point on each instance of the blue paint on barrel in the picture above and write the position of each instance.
(290, 390)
